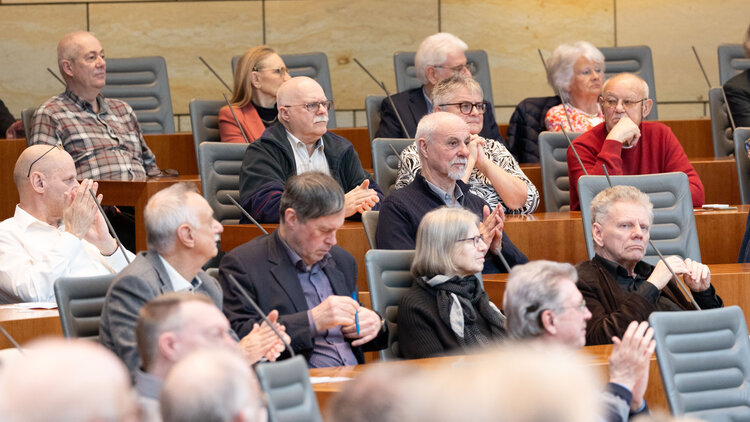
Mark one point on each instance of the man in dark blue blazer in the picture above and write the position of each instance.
(439, 57)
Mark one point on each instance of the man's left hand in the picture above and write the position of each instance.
(369, 327)
(491, 228)
(698, 276)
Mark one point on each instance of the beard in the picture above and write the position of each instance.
(457, 173)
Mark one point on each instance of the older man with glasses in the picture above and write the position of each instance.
(298, 143)
(626, 144)
(56, 231)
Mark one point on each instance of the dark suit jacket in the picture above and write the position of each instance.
(738, 97)
(412, 106)
(262, 266)
(142, 280)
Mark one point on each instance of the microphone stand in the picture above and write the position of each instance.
(387, 95)
(236, 120)
(723, 94)
(56, 77)
(557, 92)
(247, 214)
(109, 226)
(215, 74)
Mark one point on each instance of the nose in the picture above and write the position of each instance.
(465, 71)
(474, 110)
(586, 314)
(620, 107)
(464, 150)
(482, 247)
(218, 228)
(637, 231)
(286, 76)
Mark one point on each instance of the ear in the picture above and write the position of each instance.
(283, 114)
(185, 235)
(255, 79)
(67, 67)
(548, 322)
(431, 75)
(596, 234)
(37, 181)
(290, 218)
(647, 105)
(168, 347)
(422, 146)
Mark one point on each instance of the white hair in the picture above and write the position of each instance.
(434, 50)
(165, 212)
(560, 64)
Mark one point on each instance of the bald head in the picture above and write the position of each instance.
(630, 81)
(66, 381)
(51, 159)
(80, 58)
(291, 98)
(296, 87)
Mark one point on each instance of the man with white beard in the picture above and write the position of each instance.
(442, 140)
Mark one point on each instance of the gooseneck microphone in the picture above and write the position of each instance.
(723, 94)
(557, 92)
(51, 72)
(247, 214)
(236, 120)
(109, 226)
(387, 95)
(215, 74)
(12, 341)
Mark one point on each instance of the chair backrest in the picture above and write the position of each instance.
(633, 59)
(385, 162)
(673, 230)
(553, 149)
(80, 300)
(142, 82)
(370, 223)
(721, 128)
(372, 109)
(741, 137)
(388, 277)
(204, 121)
(704, 365)
(290, 394)
(314, 65)
(27, 116)
(219, 166)
(732, 61)
(406, 75)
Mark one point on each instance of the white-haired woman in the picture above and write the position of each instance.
(446, 310)
(576, 73)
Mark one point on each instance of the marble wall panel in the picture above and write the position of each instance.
(28, 47)
(670, 27)
(678, 111)
(368, 30)
(181, 32)
(511, 32)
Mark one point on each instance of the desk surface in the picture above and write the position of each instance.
(27, 324)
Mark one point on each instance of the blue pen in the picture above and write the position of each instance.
(356, 313)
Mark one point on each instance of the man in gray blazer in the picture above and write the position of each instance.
(181, 236)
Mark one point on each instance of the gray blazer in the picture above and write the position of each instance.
(142, 280)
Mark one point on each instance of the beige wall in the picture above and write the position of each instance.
(509, 30)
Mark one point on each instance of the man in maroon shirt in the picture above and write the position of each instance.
(626, 144)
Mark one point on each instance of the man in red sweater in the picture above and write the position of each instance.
(626, 144)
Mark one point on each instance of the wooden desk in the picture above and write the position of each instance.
(599, 358)
(137, 194)
(174, 151)
(25, 325)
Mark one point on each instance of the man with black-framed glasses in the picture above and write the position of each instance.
(300, 142)
(56, 231)
(625, 143)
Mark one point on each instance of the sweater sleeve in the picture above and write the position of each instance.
(262, 181)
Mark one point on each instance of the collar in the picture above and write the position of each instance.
(178, 282)
(25, 220)
(445, 196)
(85, 105)
(642, 269)
(428, 101)
(297, 261)
(296, 142)
(147, 385)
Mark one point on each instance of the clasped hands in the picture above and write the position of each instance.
(341, 311)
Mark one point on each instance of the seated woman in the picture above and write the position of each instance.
(576, 72)
(491, 172)
(257, 77)
(446, 311)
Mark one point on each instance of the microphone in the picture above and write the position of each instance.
(387, 95)
(56, 77)
(680, 285)
(255, 306)
(723, 94)
(247, 214)
(242, 131)
(109, 226)
(400, 161)
(504, 261)
(11, 340)
(215, 74)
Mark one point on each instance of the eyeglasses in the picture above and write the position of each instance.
(279, 70)
(581, 307)
(313, 107)
(627, 104)
(478, 240)
(471, 67)
(58, 146)
(466, 107)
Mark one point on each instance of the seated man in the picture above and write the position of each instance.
(171, 326)
(101, 134)
(443, 140)
(56, 231)
(438, 57)
(737, 91)
(542, 302)
(618, 286)
(299, 270)
(181, 233)
(625, 143)
(300, 142)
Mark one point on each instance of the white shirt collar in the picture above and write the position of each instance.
(178, 282)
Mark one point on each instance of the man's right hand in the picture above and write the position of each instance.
(80, 212)
(625, 132)
(630, 359)
(661, 275)
(334, 311)
(360, 199)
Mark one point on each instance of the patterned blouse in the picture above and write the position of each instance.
(581, 121)
(479, 184)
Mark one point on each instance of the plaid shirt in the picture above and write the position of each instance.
(104, 146)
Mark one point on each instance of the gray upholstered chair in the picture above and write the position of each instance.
(314, 65)
(27, 116)
(406, 76)
(553, 147)
(219, 167)
(372, 109)
(388, 278)
(370, 223)
(80, 300)
(741, 137)
(704, 365)
(721, 128)
(732, 61)
(142, 82)
(204, 121)
(632, 59)
(385, 162)
(673, 230)
(290, 394)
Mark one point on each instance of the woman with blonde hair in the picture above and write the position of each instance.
(257, 77)
(446, 310)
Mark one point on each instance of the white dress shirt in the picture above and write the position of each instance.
(34, 254)
(305, 161)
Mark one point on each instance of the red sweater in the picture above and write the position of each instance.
(658, 151)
